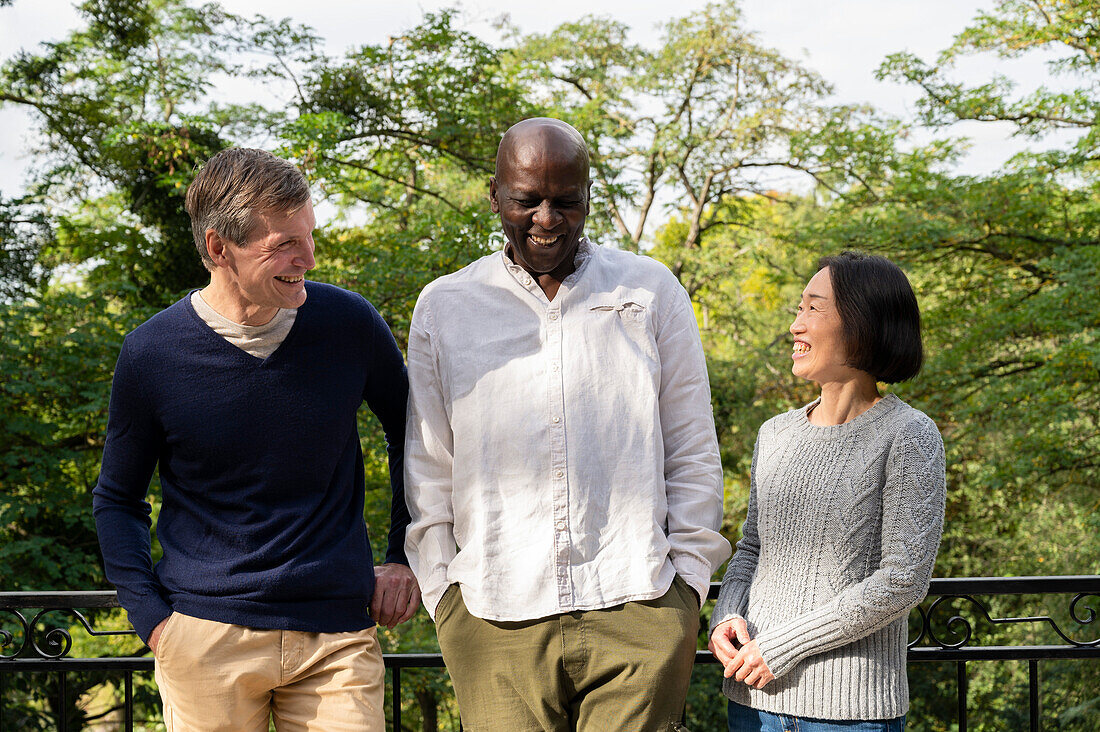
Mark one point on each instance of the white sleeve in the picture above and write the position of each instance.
(429, 459)
(693, 467)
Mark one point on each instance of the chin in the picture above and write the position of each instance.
(802, 374)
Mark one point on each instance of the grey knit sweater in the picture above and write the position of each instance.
(841, 534)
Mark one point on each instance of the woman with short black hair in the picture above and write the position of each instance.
(844, 520)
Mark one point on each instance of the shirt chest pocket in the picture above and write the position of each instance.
(627, 322)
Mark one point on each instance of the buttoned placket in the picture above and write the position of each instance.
(559, 468)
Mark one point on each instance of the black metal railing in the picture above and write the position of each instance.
(934, 637)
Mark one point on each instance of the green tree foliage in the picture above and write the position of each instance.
(1063, 30)
(699, 120)
(125, 114)
(24, 232)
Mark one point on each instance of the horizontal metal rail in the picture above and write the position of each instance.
(930, 645)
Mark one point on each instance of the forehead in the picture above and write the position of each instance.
(272, 223)
(544, 163)
(820, 285)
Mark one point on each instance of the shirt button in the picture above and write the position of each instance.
(558, 473)
(561, 526)
(557, 419)
(553, 316)
(526, 280)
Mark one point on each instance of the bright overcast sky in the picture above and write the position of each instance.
(844, 41)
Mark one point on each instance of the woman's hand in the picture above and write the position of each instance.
(727, 638)
(748, 666)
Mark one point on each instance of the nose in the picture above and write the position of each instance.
(796, 325)
(305, 258)
(545, 217)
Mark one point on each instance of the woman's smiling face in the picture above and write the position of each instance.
(820, 353)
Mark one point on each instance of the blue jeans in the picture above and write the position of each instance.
(745, 719)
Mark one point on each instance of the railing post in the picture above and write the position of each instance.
(1033, 688)
(396, 699)
(62, 693)
(129, 701)
(960, 673)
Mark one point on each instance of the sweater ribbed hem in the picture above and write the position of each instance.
(862, 680)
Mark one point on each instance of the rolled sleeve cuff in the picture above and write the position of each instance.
(695, 572)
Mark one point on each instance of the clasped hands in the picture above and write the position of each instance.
(739, 654)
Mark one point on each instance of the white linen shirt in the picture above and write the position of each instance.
(560, 455)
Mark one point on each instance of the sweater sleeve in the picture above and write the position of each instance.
(387, 395)
(118, 501)
(733, 597)
(913, 498)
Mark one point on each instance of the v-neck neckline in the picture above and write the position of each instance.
(254, 361)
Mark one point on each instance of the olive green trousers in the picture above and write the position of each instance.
(619, 669)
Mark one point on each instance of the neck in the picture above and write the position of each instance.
(228, 302)
(843, 401)
(549, 282)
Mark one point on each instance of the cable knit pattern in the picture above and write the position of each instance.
(838, 546)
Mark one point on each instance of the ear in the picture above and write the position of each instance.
(216, 247)
(494, 204)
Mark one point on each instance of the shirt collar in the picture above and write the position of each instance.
(585, 250)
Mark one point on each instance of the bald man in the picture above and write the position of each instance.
(561, 464)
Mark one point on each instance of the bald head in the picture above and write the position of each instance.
(541, 190)
(532, 140)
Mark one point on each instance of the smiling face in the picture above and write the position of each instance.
(541, 191)
(820, 353)
(268, 271)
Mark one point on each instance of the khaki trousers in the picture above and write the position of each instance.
(620, 669)
(215, 677)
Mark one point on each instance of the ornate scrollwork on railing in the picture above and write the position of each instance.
(1091, 613)
(7, 638)
(48, 642)
(961, 629)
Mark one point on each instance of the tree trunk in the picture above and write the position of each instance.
(428, 710)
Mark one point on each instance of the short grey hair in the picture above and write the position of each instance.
(236, 185)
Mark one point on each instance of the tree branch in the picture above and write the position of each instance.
(373, 171)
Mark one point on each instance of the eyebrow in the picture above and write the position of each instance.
(519, 192)
(816, 297)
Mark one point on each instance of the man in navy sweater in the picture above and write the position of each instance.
(244, 395)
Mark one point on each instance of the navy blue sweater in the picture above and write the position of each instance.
(261, 469)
